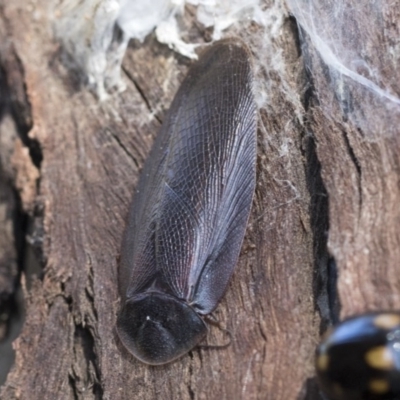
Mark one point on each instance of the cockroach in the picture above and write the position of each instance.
(190, 209)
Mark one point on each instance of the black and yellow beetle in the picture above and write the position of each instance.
(359, 359)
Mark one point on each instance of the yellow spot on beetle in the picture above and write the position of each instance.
(378, 386)
(387, 321)
(380, 357)
(322, 362)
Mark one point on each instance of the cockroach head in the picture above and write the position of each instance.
(158, 328)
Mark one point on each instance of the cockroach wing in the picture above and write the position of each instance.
(211, 281)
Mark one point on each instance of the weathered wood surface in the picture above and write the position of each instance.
(79, 185)
(355, 117)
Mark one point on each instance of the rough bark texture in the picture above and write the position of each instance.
(75, 161)
(357, 135)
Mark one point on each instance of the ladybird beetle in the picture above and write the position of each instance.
(359, 359)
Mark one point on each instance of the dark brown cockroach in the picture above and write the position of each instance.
(190, 210)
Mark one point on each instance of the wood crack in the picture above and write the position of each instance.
(357, 166)
(85, 376)
(124, 148)
(142, 94)
(319, 202)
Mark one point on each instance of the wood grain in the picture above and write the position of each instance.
(325, 195)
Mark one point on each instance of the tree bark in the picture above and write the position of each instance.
(75, 163)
